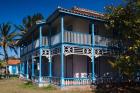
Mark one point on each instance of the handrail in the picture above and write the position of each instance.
(35, 45)
(77, 81)
(77, 32)
(55, 39)
(104, 41)
(77, 38)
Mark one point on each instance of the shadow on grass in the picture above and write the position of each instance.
(121, 88)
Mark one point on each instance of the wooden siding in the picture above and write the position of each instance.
(56, 66)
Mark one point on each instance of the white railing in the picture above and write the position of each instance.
(77, 81)
(36, 79)
(104, 41)
(55, 39)
(55, 80)
(78, 38)
(44, 41)
(46, 79)
(36, 43)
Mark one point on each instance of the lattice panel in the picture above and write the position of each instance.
(104, 52)
(55, 51)
(77, 50)
(45, 52)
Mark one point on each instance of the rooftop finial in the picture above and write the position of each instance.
(58, 7)
(75, 6)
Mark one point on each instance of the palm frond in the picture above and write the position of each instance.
(8, 39)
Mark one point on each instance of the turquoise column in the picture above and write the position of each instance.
(25, 62)
(50, 67)
(92, 59)
(50, 58)
(23, 68)
(27, 73)
(62, 51)
(40, 54)
(32, 57)
(20, 67)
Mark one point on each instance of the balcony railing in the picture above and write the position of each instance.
(103, 41)
(77, 81)
(71, 37)
(55, 39)
(36, 45)
(45, 41)
(77, 38)
(67, 81)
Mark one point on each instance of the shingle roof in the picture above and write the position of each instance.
(85, 12)
(13, 61)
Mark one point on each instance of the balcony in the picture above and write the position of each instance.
(77, 38)
(44, 42)
(103, 41)
(55, 39)
(36, 43)
(72, 37)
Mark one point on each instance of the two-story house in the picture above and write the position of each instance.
(70, 48)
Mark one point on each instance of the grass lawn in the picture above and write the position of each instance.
(14, 85)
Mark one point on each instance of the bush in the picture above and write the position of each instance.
(28, 84)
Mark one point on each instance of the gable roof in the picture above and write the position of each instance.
(86, 12)
(76, 11)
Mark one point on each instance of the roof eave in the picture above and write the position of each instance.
(84, 16)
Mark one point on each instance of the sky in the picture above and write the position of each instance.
(13, 11)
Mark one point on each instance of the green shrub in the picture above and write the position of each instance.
(28, 84)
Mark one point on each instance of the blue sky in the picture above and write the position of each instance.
(13, 11)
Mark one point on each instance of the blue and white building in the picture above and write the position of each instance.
(13, 66)
(70, 48)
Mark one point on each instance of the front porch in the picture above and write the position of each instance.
(77, 69)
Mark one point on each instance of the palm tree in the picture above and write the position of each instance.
(28, 22)
(7, 40)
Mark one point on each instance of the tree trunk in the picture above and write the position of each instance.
(6, 60)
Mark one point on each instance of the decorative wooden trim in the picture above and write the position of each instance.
(68, 50)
